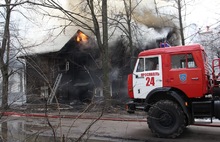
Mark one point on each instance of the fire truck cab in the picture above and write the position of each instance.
(174, 86)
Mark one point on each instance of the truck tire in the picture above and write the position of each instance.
(166, 119)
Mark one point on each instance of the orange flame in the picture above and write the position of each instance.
(81, 37)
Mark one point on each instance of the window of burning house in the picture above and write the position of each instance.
(182, 61)
(63, 66)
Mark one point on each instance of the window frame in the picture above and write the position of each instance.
(187, 62)
(143, 60)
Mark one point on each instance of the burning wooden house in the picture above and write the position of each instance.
(72, 73)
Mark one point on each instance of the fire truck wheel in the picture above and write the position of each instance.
(166, 119)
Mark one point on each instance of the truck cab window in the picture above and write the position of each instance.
(148, 64)
(191, 62)
(151, 64)
(182, 61)
(140, 67)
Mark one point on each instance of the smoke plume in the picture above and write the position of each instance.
(152, 20)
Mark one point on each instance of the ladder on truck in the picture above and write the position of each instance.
(216, 72)
(54, 89)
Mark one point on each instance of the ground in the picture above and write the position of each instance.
(30, 123)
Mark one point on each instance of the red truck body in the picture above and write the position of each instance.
(175, 77)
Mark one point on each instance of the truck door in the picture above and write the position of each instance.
(186, 75)
(147, 75)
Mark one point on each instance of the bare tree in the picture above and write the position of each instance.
(4, 53)
(105, 55)
(10, 44)
(180, 7)
(128, 10)
(180, 12)
(10, 47)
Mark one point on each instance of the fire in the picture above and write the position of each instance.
(81, 37)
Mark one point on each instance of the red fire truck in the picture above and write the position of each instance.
(174, 86)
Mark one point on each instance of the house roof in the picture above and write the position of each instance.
(51, 45)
